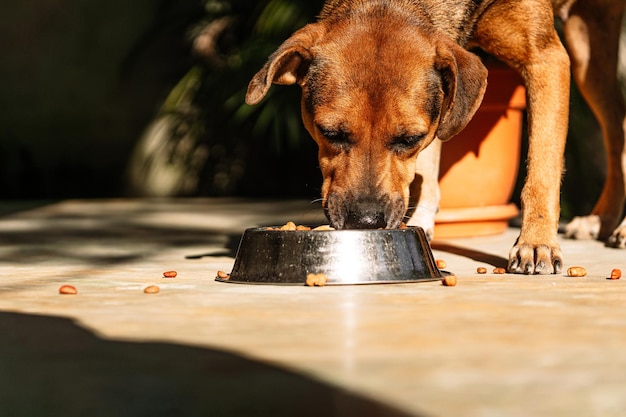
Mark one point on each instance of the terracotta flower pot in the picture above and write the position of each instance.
(479, 166)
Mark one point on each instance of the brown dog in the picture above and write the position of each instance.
(382, 79)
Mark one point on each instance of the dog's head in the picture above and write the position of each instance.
(375, 92)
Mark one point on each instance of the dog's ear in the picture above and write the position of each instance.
(464, 80)
(287, 65)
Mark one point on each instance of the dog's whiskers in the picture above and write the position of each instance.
(306, 217)
(423, 206)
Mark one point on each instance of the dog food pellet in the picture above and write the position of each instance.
(481, 270)
(170, 274)
(441, 264)
(289, 226)
(151, 289)
(223, 275)
(449, 281)
(316, 280)
(616, 274)
(323, 228)
(499, 271)
(576, 271)
(68, 290)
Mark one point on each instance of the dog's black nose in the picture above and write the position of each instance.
(368, 219)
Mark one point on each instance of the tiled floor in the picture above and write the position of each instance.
(494, 345)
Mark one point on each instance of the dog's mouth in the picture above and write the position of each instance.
(364, 212)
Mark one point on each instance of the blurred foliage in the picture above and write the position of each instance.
(250, 150)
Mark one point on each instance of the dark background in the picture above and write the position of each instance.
(110, 98)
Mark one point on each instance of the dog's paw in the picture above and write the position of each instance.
(618, 237)
(583, 227)
(538, 259)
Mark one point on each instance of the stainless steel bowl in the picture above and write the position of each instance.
(344, 256)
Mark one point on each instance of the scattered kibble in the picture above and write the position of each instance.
(441, 264)
(449, 281)
(223, 275)
(151, 289)
(316, 280)
(170, 274)
(68, 290)
(499, 271)
(616, 274)
(481, 270)
(576, 271)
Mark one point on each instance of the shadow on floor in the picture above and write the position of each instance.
(52, 367)
(119, 231)
(230, 248)
(478, 256)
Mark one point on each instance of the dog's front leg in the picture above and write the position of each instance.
(522, 35)
(537, 250)
(425, 189)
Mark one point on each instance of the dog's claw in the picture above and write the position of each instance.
(528, 268)
(541, 265)
(540, 260)
(618, 238)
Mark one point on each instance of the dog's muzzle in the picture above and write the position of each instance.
(364, 212)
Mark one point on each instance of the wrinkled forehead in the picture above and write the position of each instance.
(373, 79)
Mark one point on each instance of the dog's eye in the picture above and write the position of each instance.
(406, 142)
(337, 138)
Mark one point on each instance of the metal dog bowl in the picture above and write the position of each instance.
(344, 256)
